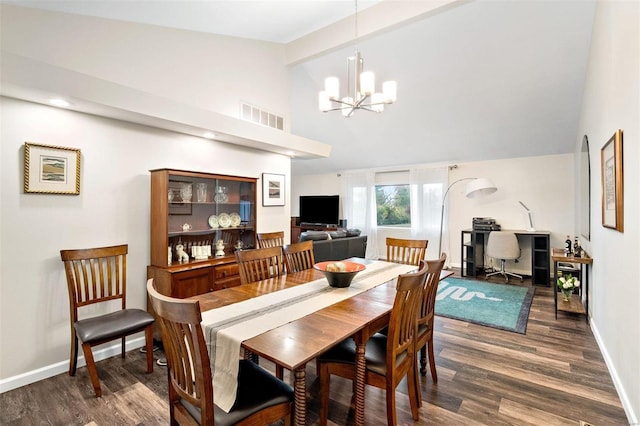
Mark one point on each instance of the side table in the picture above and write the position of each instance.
(575, 305)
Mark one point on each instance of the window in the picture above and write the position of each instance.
(393, 205)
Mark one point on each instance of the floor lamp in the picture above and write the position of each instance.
(476, 187)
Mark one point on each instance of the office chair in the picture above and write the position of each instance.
(503, 245)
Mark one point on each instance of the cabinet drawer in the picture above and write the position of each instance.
(226, 271)
(227, 283)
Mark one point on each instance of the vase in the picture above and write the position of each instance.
(566, 294)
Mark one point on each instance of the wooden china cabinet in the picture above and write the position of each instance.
(197, 210)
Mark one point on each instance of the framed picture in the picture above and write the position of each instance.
(612, 183)
(272, 190)
(51, 169)
(180, 197)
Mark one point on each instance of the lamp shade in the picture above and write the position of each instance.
(480, 187)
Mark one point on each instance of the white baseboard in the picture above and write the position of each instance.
(42, 373)
(626, 404)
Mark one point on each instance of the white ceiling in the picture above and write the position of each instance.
(482, 80)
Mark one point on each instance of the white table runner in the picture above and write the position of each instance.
(228, 326)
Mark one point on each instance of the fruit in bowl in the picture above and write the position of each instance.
(339, 273)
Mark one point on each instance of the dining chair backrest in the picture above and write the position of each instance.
(185, 349)
(428, 303)
(408, 252)
(298, 256)
(403, 321)
(270, 239)
(426, 312)
(99, 276)
(191, 398)
(260, 264)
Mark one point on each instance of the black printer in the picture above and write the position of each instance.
(485, 224)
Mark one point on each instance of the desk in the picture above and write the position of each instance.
(472, 249)
(294, 344)
(575, 304)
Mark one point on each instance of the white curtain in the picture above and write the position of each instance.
(428, 186)
(359, 207)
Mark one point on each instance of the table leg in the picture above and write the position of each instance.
(300, 396)
(361, 367)
(555, 288)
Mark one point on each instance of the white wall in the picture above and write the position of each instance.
(612, 101)
(112, 208)
(204, 70)
(542, 183)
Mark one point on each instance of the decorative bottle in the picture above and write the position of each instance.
(576, 248)
(567, 246)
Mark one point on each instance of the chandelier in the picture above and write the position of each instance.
(361, 92)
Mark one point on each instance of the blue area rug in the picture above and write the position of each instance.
(495, 305)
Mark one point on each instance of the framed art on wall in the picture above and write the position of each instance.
(272, 189)
(612, 183)
(51, 169)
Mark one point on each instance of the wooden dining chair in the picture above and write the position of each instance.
(260, 264)
(261, 398)
(99, 276)
(298, 256)
(408, 252)
(389, 358)
(426, 311)
(270, 239)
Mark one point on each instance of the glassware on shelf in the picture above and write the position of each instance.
(186, 192)
(170, 195)
(201, 192)
(221, 194)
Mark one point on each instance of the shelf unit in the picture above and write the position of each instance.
(578, 303)
(472, 253)
(472, 249)
(196, 209)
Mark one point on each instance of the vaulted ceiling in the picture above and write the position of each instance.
(477, 80)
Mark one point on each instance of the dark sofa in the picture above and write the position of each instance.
(338, 247)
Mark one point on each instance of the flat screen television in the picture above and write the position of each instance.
(319, 209)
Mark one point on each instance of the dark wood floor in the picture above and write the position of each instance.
(553, 375)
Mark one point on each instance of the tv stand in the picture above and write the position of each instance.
(299, 227)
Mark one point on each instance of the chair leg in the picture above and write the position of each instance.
(148, 337)
(432, 362)
(325, 382)
(413, 388)
(73, 358)
(391, 403)
(91, 367)
(417, 382)
(123, 343)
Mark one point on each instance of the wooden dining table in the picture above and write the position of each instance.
(300, 341)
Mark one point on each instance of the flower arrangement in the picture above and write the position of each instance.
(567, 285)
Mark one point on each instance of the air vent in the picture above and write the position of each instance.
(259, 116)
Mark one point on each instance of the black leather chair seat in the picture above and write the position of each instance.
(257, 389)
(112, 325)
(375, 353)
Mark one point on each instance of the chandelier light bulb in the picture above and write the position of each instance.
(389, 89)
(367, 83)
(332, 87)
(324, 103)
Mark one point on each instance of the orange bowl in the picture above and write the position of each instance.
(341, 278)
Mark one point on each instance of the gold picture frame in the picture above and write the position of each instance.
(51, 169)
(612, 183)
